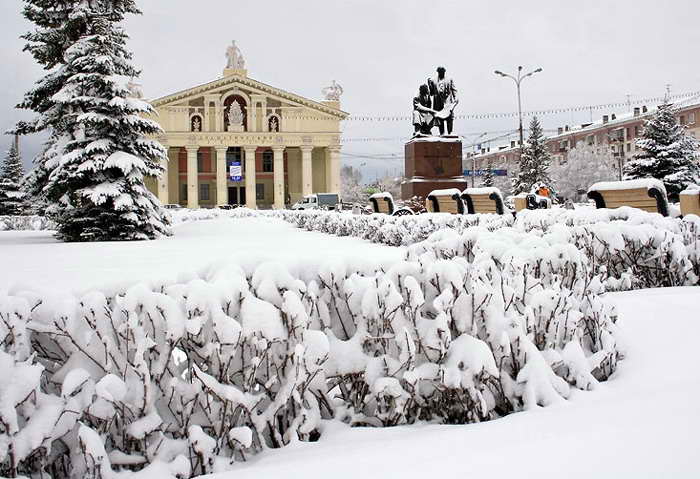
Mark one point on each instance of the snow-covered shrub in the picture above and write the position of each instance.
(26, 223)
(188, 378)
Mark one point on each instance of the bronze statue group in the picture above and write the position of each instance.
(434, 105)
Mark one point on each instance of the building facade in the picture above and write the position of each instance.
(616, 132)
(236, 140)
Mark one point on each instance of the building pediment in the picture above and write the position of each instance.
(236, 82)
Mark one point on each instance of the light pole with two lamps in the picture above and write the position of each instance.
(518, 79)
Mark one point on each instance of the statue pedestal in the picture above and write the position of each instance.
(432, 163)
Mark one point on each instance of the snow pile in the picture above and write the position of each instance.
(190, 377)
(26, 223)
(647, 183)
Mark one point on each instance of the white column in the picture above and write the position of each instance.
(163, 179)
(253, 116)
(334, 160)
(327, 162)
(306, 171)
(250, 201)
(278, 176)
(221, 176)
(192, 177)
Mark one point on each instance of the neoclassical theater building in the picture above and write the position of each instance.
(236, 140)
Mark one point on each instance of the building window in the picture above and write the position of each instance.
(183, 192)
(196, 123)
(691, 118)
(267, 161)
(259, 191)
(204, 191)
(200, 162)
(682, 119)
(238, 114)
(629, 147)
(273, 124)
(637, 132)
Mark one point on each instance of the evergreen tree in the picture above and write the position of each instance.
(93, 167)
(534, 162)
(669, 153)
(11, 194)
(487, 179)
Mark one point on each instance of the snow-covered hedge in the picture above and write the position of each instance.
(390, 230)
(188, 378)
(25, 223)
(629, 248)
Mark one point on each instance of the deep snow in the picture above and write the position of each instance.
(35, 260)
(642, 423)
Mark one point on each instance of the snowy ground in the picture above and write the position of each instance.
(643, 423)
(39, 262)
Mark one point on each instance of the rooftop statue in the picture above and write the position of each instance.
(235, 57)
(332, 92)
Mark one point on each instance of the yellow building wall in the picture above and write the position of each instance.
(294, 174)
(318, 169)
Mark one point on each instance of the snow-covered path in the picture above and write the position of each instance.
(37, 261)
(644, 423)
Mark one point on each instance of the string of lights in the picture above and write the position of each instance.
(495, 115)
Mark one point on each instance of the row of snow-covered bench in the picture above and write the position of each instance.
(646, 194)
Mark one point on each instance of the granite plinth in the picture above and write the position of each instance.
(432, 163)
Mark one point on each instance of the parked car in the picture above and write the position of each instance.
(172, 206)
(228, 207)
(317, 201)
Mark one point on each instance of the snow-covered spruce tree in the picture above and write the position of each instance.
(92, 170)
(487, 179)
(11, 193)
(669, 153)
(534, 162)
(585, 165)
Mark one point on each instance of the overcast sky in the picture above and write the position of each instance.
(591, 51)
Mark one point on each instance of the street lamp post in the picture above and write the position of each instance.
(474, 155)
(518, 79)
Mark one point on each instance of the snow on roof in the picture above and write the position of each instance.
(647, 183)
(382, 196)
(432, 139)
(446, 192)
(691, 190)
(482, 191)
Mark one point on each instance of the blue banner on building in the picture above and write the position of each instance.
(235, 171)
(483, 172)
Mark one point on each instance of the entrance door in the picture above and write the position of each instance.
(232, 195)
(241, 195)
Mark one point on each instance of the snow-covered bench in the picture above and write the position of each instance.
(690, 202)
(382, 203)
(531, 201)
(647, 194)
(445, 201)
(483, 200)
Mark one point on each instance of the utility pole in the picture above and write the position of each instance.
(518, 79)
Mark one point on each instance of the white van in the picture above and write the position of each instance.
(317, 201)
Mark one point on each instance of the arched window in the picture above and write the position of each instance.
(237, 112)
(273, 124)
(196, 123)
(267, 163)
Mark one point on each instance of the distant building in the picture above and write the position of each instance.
(236, 140)
(617, 132)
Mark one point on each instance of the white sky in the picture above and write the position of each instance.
(591, 51)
